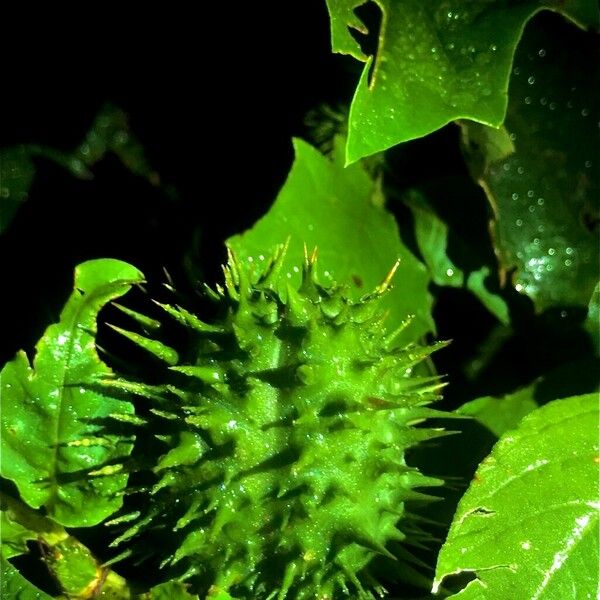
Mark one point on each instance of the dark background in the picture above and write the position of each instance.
(213, 93)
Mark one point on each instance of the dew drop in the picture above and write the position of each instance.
(585, 112)
(520, 170)
(532, 208)
(519, 223)
(540, 201)
(551, 251)
(543, 100)
(541, 52)
(517, 71)
(530, 193)
(588, 164)
(515, 196)
(531, 80)
(527, 99)
(506, 167)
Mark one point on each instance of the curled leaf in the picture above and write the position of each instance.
(55, 430)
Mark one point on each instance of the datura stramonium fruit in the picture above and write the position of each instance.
(287, 432)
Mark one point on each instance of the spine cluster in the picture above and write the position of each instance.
(285, 474)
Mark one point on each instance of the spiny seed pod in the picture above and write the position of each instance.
(287, 432)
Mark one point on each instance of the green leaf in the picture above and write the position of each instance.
(55, 444)
(14, 586)
(544, 193)
(337, 210)
(19, 524)
(14, 537)
(16, 174)
(501, 414)
(109, 134)
(437, 61)
(219, 595)
(72, 565)
(432, 238)
(171, 590)
(527, 527)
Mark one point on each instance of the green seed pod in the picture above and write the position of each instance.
(287, 432)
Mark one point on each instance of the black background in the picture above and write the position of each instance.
(213, 92)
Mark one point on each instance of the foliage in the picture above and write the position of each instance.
(280, 446)
(436, 62)
(548, 463)
(319, 190)
(53, 420)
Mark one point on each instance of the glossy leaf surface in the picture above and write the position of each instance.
(544, 190)
(337, 209)
(172, 590)
(14, 586)
(501, 414)
(436, 61)
(69, 563)
(55, 445)
(527, 527)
